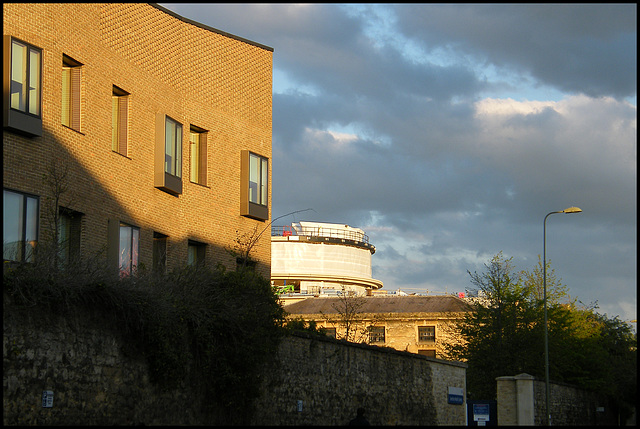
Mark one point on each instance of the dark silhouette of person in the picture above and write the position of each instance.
(360, 420)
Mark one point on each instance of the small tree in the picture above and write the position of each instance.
(350, 318)
(56, 179)
(244, 243)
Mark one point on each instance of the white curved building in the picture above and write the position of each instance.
(321, 259)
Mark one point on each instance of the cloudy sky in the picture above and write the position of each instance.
(448, 132)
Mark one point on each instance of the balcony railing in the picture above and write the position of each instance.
(308, 231)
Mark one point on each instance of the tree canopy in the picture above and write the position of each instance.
(505, 336)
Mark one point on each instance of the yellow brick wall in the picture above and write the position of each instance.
(401, 330)
(192, 74)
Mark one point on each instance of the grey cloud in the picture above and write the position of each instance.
(588, 49)
(442, 187)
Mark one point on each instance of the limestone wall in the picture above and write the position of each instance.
(96, 380)
(522, 401)
(93, 380)
(330, 379)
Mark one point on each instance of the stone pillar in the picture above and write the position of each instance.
(506, 401)
(515, 400)
(525, 399)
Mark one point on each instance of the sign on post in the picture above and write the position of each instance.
(481, 413)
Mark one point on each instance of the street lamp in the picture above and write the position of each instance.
(546, 328)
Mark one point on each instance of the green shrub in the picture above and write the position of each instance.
(209, 330)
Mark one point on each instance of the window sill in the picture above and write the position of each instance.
(22, 123)
(118, 153)
(200, 184)
(73, 129)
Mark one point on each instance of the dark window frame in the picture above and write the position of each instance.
(160, 252)
(257, 210)
(200, 252)
(377, 334)
(69, 247)
(163, 180)
(22, 242)
(14, 119)
(425, 336)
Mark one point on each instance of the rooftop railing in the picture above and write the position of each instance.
(308, 231)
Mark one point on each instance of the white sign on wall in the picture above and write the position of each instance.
(47, 399)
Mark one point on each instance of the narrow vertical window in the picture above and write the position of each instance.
(167, 170)
(128, 249)
(69, 230)
(119, 120)
(71, 79)
(258, 179)
(173, 148)
(254, 191)
(20, 226)
(198, 152)
(159, 253)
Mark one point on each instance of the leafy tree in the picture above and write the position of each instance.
(504, 335)
(497, 335)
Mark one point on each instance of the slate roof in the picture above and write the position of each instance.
(383, 304)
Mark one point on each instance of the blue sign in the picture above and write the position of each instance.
(481, 412)
(455, 399)
(456, 396)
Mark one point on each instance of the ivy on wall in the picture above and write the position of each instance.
(209, 330)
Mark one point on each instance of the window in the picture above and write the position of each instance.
(168, 153)
(173, 148)
(22, 74)
(329, 332)
(71, 74)
(159, 253)
(430, 353)
(128, 249)
(195, 253)
(258, 179)
(20, 226)
(426, 334)
(119, 120)
(198, 145)
(376, 334)
(255, 186)
(69, 231)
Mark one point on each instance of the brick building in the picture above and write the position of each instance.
(160, 126)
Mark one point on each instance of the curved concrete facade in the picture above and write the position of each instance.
(321, 258)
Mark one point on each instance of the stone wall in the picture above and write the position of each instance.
(522, 401)
(571, 406)
(97, 380)
(330, 379)
(93, 380)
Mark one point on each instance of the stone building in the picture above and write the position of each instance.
(417, 324)
(160, 126)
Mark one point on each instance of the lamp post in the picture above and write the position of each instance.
(546, 328)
